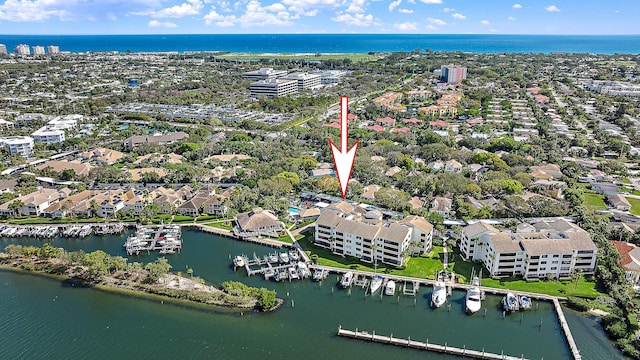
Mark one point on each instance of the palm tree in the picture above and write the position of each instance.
(15, 206)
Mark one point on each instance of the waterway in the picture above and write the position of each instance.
(41, 318)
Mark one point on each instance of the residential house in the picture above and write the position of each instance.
(552, 188)
(103, 156)
(257, 223)
(619, 202)
(58, 166)
(33, 204)
(604, 188)
(629, 262)
(441, 205)
(452, 166)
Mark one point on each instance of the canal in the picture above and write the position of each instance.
(41, 318)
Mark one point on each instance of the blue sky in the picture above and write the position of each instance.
(319, 16)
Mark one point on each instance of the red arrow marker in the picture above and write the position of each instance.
(344, 158)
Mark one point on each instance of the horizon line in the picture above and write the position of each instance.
(316, 34)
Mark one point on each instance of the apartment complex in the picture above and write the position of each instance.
(361, 233)
(273, 87)
(53, 49)
(3, 49)
(22, 49)
(38, 50)
(544, 249)
(18, 145)
(48, 135)
(330, 77)
(135, 140)
(264, 74)
(453, 74)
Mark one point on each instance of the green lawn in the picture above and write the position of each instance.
(635, 206)
(586, 289)
(626, 181)
(225, 225)
(594, 201)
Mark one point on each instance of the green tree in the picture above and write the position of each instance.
(157, 269)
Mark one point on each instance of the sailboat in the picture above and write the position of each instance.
(376, 282)
(473, 300)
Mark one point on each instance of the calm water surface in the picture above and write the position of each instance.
(43, 319)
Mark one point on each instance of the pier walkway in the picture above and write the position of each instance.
(444, 349)
(575, 353)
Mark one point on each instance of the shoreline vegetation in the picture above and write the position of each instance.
(105, 272)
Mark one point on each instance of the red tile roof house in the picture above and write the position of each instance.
(403, 130)
(438, 123)
(412, 121)
(376, 128)
(534, 90)
(333, 125)
(351, 117)
(629, 261)
(386, 121)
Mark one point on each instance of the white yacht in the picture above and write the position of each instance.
(293, 255)
(347, 279)
(473, 301)
(238, 261)
(303, 269)
(390, 288)
(439, 295)
(319, 274)
(510, 302)
(525, 302)
(284, 257)
(376, 282)
(293, 274)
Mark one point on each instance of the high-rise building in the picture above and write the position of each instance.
(274, 87)
(305, 80)
(22, 49)
(3, 49)
(53, 49)
(38, 50)
(453, 74)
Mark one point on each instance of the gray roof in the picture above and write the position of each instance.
(478, 228)
(257, 219)
(393, 233)
(366, 231)
(329, 218)
(503, 243)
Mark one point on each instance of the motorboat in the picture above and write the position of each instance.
(347, 279)
(525, 302)
(390, 288)
(273, 258)
(473, 301)
(376, 282)
(439, 295)
(319, 274)
(284, 257)
(293, 255)
(293, 274)
(303, 269)
(510, 302)
(238, 261)
(278, 275)
(269, 273)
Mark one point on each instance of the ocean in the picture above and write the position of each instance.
(334, 43)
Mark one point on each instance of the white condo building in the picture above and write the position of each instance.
(544, 249)
(3, 49)
(274, 87)
(22, 49)
(330, 77)
(305, 80)
(357, 232)
(21, 145)
(48, 135)
(53, 49)
(38, 50)
(264, 74)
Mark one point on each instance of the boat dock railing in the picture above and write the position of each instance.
(443, 349)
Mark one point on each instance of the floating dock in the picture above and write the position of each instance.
(443, 349)
(165, 238)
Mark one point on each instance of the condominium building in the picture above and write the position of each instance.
(453, 74)
(544, 249)
(356, 232)
(20, 145)
(273, 87)
(22, 49)
(264, 74)
(53, 49)
(305, 80)
(330, 77)
(3, 49)
(48, 135)
(38, 50)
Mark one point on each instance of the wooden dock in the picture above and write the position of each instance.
(575, 353)
(443, 349)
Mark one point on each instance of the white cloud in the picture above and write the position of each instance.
(220, 20)
(357, 6)
(431, 1)
(436, 21)
(355, 20)
(458, 16)
(406, 26)
(493, 30)
(255, 15)
(36, 10)
(394, 4)
(431, 27)
(446, 10)
(485, 22)
(191, 7)
(511, 18)
(517, 6)
(310, 7)
(165, 24)
(405, 11)
(552, 8)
